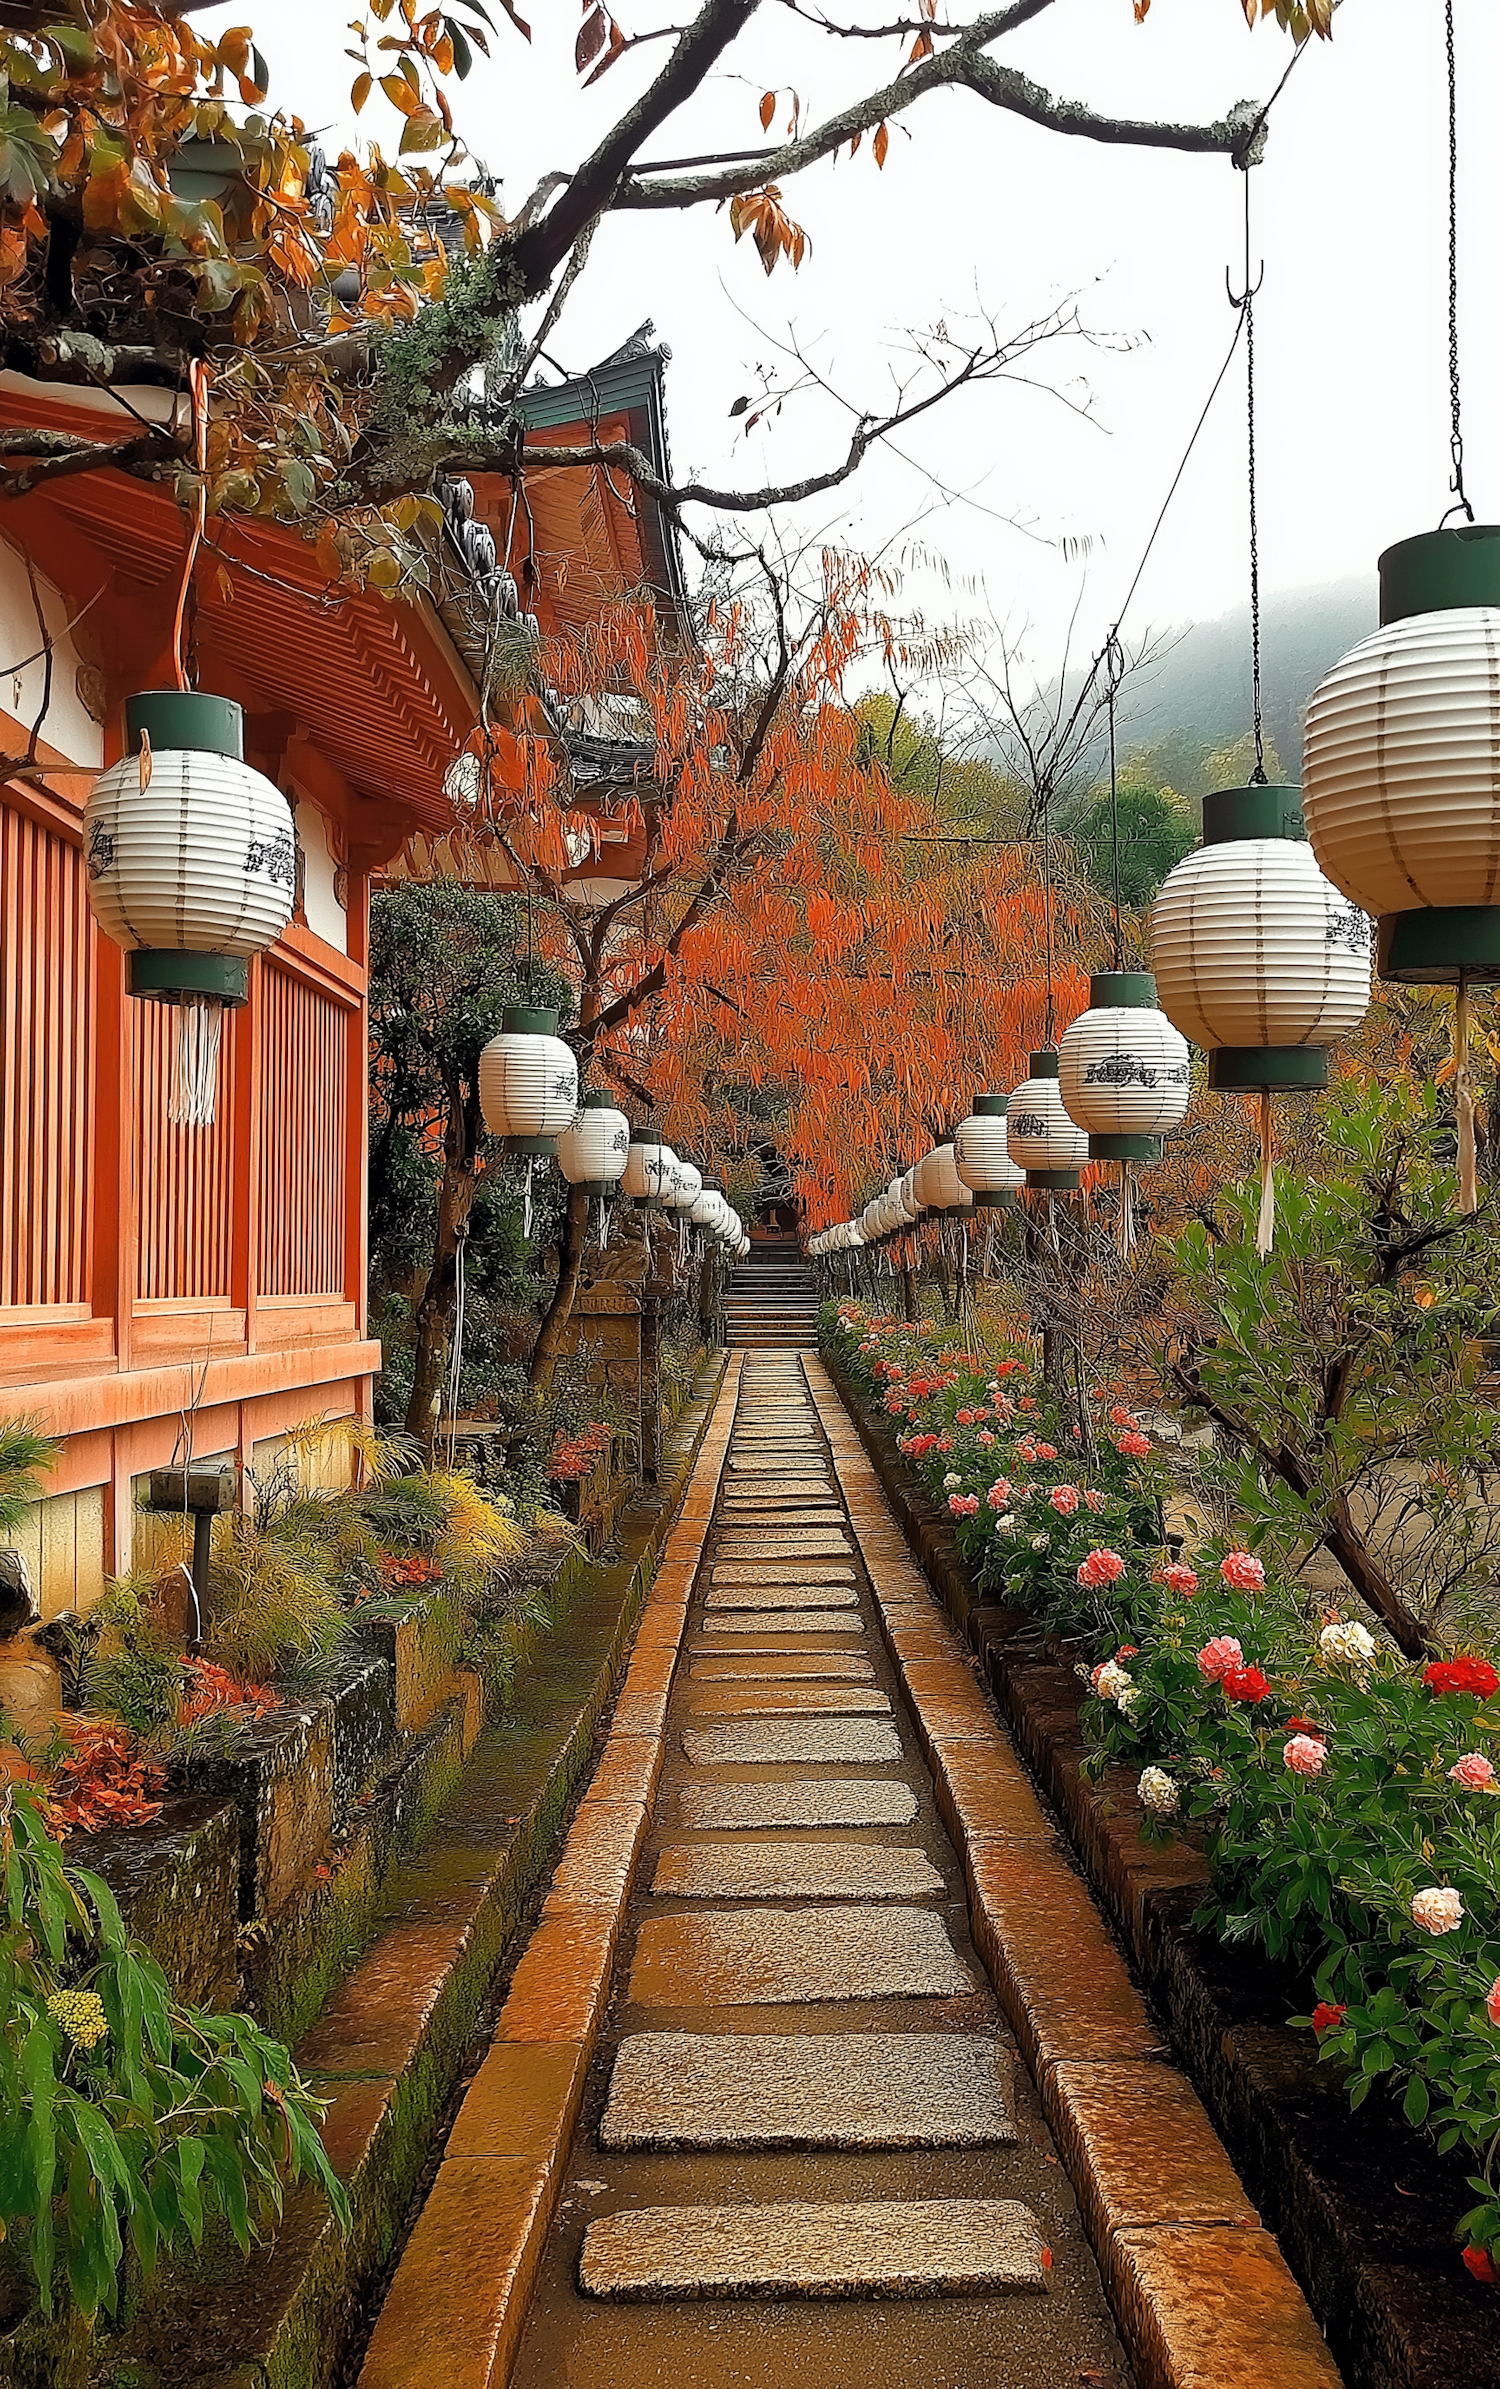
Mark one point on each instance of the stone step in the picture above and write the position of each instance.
(795, 1957)
(777, 1742)
(760, 1807)
(792, 1594)
(910, 2248)
(818, 1571)
(789, 1700)
(777, 1870)
(736, 1667)
(785, 1621)
(838, 2090)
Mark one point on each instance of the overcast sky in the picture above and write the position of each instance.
(976, 210)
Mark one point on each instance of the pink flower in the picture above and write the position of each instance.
(999, 1493)
(984, 1437)
(1178, 1579)
(1095, 1500)
(944, 1443)
(1219, 1658)
(1305, 1755)
(1492, 2003)
(963, 1505)
(1065, 1499)
(1438, 1911)
(1046, 1451)
(1475, 1773)
(1025, 1449)
(963, 1418)
(1135, 1446)
(1122, 1418)
(1101, 1568)
(1244, 1574)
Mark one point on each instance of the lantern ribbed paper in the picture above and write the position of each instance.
(1046, 1143)
(1259, 959)
(199, 861)
(981, 1153)
(1402, 788)
(528, 1081)
(650, 1169)
(913, 1201)
(592, 1153)
(1123, 1070)
(687, 1186)
(945, 1190)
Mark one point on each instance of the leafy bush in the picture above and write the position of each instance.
(126, 2119)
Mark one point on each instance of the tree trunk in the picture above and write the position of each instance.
(547, 1349)
(435, 1310)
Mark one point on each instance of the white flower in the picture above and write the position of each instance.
(1158, 1793)
(1041, 1542)
(1008, 1523)
(1112, 1680)
(1438, 1911)
(1127, 1700)
(951, 1482)
(1351, 1642)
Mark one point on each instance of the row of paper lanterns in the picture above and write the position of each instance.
(1262, 938)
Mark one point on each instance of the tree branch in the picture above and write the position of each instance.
(81, 456)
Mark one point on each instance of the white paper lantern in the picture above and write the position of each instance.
(914, 1204)
(943, 1188)
(1049, 1147)
(981, 1154)
(706, 1206)
(687, 1185)
(592, 1153)
(1259, 959)
(1402, 785)
(650, 1170)
(201, 861)
(1123, 1070)
(919, 1181)
(528, 1081)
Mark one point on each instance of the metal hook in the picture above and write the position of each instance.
(1252, 290)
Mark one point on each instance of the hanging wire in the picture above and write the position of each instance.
(198, 380)
(1456, 437)
(1115, 666)
(1243, 301)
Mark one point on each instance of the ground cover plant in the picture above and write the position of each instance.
(1347, 1795)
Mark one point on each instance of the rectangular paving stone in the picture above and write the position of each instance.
(896, 2248)
(756, 1807)
(842, 2090)
(778, 1742)
(786, 1621)
(764, 1544)
(794, 1957)
(780, 1596)
(789, 1700)
(772, 1870)
(817, 1571)
(756, 1667)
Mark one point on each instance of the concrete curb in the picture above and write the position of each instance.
(463, 2285)
(1201, 2293)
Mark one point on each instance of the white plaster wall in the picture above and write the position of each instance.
(326, 917)
(67, 725)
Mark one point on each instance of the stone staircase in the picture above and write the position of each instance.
(772, 1300)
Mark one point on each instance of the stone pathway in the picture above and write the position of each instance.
(807, 2156)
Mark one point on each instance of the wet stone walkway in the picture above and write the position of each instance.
(808, 2155)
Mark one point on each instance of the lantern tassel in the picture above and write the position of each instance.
(526, 1200)
(1265, 1232)
(195, 1074)
(1463, 1087)
(1125, 1226)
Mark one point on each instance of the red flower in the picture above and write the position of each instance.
(1134, 1446)
(1463, 1674)
(1480, 2265)
(1325, 2016)
(1246, 1684)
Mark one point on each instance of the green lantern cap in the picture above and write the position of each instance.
(1133, 991)
(185, 721)
(1249, 1069)
(166, 977)
(1252, 812)
(528, 1020)
(991, 1107)
(1044, 1065)
(1439, 570)
(1438, 945)
(596, 1099)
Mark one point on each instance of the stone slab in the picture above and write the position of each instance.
(779, 1667)
(751, 1544)
(840, 2090)
(781, 1596)
(774, 1870)
(785, 1621)
(761, 1807)
(778, 1742)
(821, 1571)
(898, 2248)
(789, 1700)
(794, 1957)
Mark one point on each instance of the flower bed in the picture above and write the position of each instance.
(1345, 1796)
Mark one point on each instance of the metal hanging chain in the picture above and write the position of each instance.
(1244, 300)
(1456, 437)
(1115, 666)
